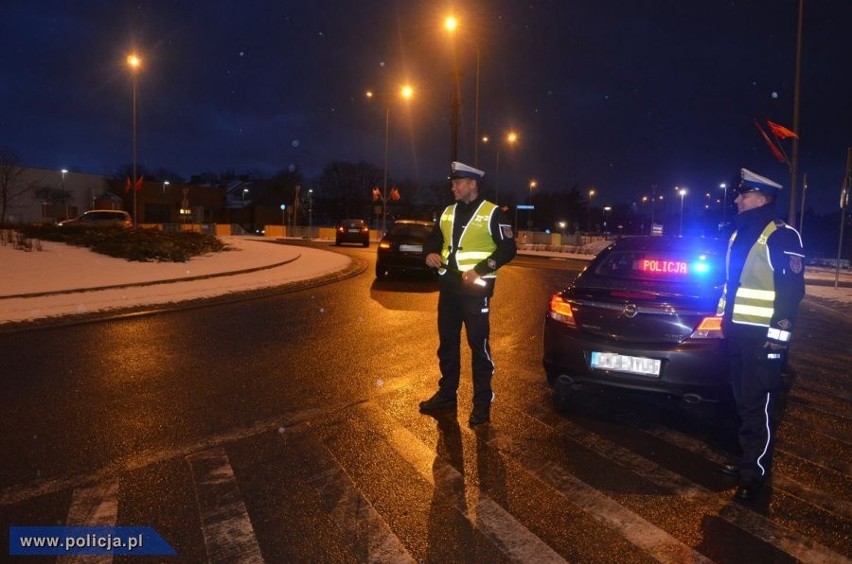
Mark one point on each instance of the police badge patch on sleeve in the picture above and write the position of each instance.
(506, 231)
(796, 264)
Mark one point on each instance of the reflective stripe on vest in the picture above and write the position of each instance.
(754, 302)
(475, 243)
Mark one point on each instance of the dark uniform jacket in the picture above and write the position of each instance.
(501, 234)
(787, 258)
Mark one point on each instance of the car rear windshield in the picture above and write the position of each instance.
(663, 267)
(410, 230)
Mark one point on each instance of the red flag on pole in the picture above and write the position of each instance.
(126, 184)
(139, 183)
(776, 150)
(377, 194)
(394, 195)
(781, 132)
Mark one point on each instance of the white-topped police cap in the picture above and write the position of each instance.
(461, 170)
(751, 182)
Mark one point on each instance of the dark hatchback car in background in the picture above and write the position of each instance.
(101, 218)
(641, 316)
(401, 249)
(352, 231)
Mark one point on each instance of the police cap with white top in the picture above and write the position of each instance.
(461, 170)
(751, 182)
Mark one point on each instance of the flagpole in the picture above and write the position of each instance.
(794, 165)
(804, 191)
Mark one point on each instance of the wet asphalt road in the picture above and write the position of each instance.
(285, 428)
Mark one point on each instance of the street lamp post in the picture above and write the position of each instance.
(606, 211)
(682, 193)
(165, 213)
(243, 207)
(311, 213)
(405, 92)
(134, 62)
(451, 24)
(64, 171)
(724, 188)
(511, 139)
(533, 184)
(591, 193)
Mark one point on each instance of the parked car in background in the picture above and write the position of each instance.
(352, 231)
(101, 218)
(641, 316)
(401, 249)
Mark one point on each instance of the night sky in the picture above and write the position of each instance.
(616, 94)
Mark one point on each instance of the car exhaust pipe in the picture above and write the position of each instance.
(565, 380)
(692, 398)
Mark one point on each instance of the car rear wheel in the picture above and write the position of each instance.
(381, 272)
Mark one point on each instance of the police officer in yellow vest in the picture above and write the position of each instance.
(470, 242)
(765, 283)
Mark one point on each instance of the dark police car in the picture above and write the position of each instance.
(401, 249)
(642, 316)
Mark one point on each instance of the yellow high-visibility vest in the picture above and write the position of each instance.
(754, 302)
(475, 243)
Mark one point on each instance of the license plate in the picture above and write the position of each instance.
(411, 248)
(354, 230)
(623, 363)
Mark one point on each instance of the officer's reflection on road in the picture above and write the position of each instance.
(454, 510)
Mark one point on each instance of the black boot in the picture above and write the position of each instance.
(481, 414)
(438, 402)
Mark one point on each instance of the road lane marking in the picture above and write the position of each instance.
(228, 532)
(95, 505)
(498, 525)
(369, 537)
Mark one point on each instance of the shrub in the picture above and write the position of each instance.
(143, 245)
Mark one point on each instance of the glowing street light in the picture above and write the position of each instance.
(724, 188)
(134, 62)
(682, 192)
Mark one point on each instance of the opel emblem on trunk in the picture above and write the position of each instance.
(630, 310)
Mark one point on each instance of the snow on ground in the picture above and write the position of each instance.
(59, 268)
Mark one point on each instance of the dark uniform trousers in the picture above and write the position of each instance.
(755, 381)
(455, 310)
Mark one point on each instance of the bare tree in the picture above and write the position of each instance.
(11, 187)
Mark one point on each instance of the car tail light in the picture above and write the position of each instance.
(365, 229)
(709, 328)
(560, 310)
(384, 245)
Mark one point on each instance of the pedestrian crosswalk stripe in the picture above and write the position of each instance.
(95, 505)
(497, 524)
(225, 523)
(369, 536)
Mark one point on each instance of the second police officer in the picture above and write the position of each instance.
(764, 285)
